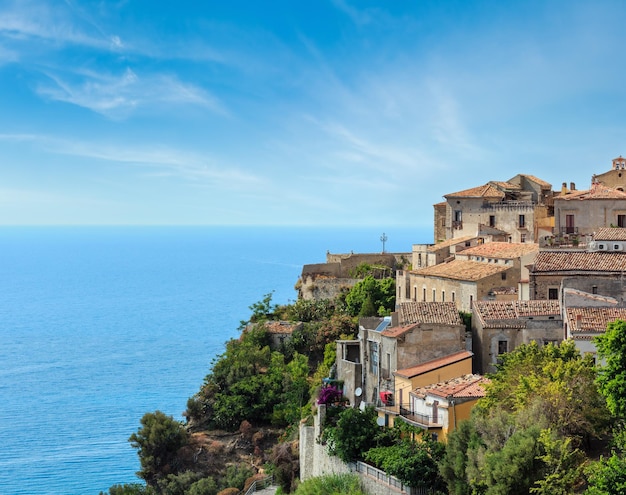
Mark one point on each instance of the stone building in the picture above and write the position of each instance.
(501, 326)
(416, 333)
(459, 281)
(616, 177)
(520, 207)
(581, 213)
(584, 323)
(596, 272)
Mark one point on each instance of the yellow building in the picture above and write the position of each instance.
(433, 371)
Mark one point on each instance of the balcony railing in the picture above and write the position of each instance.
(457, 224)
(423, 420)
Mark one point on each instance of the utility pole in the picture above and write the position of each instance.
(383, 239)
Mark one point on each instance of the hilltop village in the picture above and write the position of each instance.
(488, 362)
(526, 263)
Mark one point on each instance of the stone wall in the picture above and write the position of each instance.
(315, 461)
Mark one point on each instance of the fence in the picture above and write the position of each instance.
(259, 485)
(384, 478)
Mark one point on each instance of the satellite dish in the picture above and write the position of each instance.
(380, 421)
(358, 392)
(362, 406)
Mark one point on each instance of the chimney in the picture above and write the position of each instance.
(564, 188)
(572, 186)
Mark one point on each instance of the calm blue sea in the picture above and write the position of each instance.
(101, 325)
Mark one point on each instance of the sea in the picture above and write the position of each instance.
(100, 325)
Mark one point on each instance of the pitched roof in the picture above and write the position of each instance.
(505, 185)
(597, 191)
(592, 320)
(462, 270)
(610, 234)
(506, 250)
(513, 314)
(413, 312)
(485, 191)
(463, 387)
(579, 261)
(450, 242)
(434, 364)
(536, 180)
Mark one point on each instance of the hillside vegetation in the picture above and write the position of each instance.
(551, 422)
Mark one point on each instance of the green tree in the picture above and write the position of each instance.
(157, 442)
(371, 297)
(415, 462)
(607, 476)
(612, 375)
(129, 489)
(555, 382)
(355, 434)
(204, 486)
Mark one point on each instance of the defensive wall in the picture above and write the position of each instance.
(327, 280)
(315, 461)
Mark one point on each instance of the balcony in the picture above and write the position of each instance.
(457, 224)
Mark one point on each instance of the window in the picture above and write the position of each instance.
(443, 296)
(503, 346)
(621, 221)
(453, 297)
(373, 357)
(522, 238)
(594, 289)
(458, 215)
(503, 275)
(522, 221)
(553, 293)
(569, 224)
(419, 259)
(424, 295)
(492, 220)
(434, 295)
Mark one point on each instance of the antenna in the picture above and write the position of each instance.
(383, 239)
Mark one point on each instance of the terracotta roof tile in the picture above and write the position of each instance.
(450, 242)
(592, 320)
(285, 327)
(463, 387)
(462, 270)
(597, 191)
(398, 331)
(485, 191)
(506, 250)
(610, 234)
(445, 313)
(513, 314)
(434, 364)
(568, 261)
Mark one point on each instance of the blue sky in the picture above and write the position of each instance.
(325, 112)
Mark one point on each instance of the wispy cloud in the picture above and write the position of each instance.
(155, 161)
(117, 96)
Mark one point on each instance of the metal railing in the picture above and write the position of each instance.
(386, 479)
(259, 485)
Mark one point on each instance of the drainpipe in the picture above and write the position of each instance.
(453, 412)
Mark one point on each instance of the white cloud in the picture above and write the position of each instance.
(117, 96)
